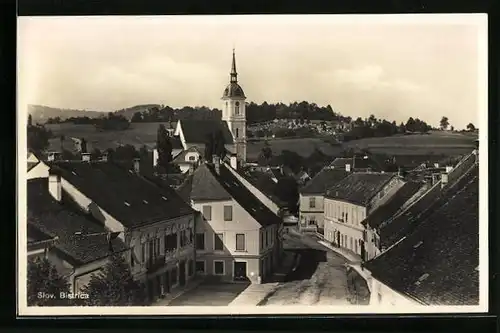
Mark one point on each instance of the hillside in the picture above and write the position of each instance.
(41, 113)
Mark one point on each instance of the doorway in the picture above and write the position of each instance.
(240, 271)
(182, 273)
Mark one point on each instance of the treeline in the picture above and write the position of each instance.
(373, 127)
(113, 122)
(167, 113)
(37, 136)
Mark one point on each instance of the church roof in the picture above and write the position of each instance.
(233, 89)
(196, 131)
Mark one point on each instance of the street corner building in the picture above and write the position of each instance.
(436, 262)
(238, 236)
(152, 222)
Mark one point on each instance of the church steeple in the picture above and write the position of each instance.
(234, 75)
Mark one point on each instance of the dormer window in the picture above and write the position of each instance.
(237, 108)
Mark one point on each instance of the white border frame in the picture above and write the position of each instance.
(480, 20)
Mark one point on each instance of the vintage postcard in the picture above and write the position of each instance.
(315, 164)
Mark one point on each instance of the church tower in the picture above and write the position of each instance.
(234, 113)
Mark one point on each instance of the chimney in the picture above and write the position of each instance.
(86, 157)
(155, 157)
(137, 165)
(436, 165)
(51, 156)
(216, 162)
(104, 157)
(449, 168)
(348, 167)
(234, 162)
(55, 186)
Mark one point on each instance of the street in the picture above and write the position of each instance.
(319, 279)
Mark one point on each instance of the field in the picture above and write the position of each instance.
(139, 134)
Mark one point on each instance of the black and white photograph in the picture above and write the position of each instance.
(252, 164)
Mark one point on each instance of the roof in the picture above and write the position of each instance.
(36, 236)
(206, 184)
(48, 217)
(233, 89)
(436, 264)
(403, 224)
(359, 188)
(264, 182)
(128, 197)
(323, 180)
(393, 205)
(31, 165)
(196, 131)
(176, 142)
(181, 158)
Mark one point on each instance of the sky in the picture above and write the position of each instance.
(394, 67)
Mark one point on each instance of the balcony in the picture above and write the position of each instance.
(155, 264)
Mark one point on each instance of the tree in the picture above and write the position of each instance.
(38, 138)
(114, 285)
(444, 123)
(471, 127)
(266, 151)
(43, 279)
(137, 117)
(220, 145)
(287, 190)
(164, 146)
(209, 147)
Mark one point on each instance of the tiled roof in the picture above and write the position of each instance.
(196, 131)
(322, 181)
(263, 181)
(206, 184)
(49, 217)
(36, 236)
(359, 188)
(436, 264)
(393, 205)
(131, 199)
(403, 224)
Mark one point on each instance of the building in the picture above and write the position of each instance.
(311, 198)
(437, 263)
(153, 221)
(408, 194)
(35, 167)
(238, 238)
(74, 243)
(350, 201)
(188, 159)
(232, 127)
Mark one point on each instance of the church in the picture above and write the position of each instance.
(193, 133)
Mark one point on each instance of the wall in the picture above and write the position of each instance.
(380, 294)
(461, 168)
(255, 191)
(306, 212)
(349, 229)
(82, 275)
(192, 154)
(41, 170)
(387, 192)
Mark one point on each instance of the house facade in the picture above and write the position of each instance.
(153, 222)
(311, 198)
(350, 201)
(237, 237)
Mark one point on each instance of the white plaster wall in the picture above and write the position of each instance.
(41, 170)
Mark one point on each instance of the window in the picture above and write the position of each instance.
(219, 267)
(192, 158)
(207, 213)
(346, 219)
(237, 132)
(267, 238)
(228, 213)
(183, 238)
(157, 246)
(200, 241)
(237, 108)
(200, 267)
(261, 240)
(312, 202)
(350, 238)
(218, 242)
(312, 220)
(379, 297)
(170, 242)
(190, 267)
(240, 242)
(190, 232)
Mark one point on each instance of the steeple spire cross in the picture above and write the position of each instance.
(234, 75)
